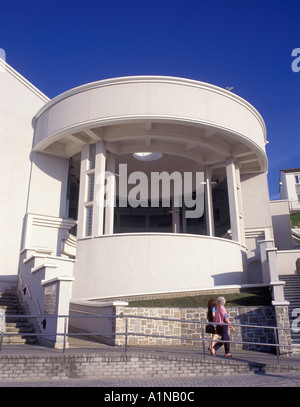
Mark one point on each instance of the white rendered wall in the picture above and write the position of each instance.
(281, 225)
(48, 185)
(286, 261)
(19, 101)
(256, 204)
(283, 186)
(257, 221)
(288, 189)
(120, 265)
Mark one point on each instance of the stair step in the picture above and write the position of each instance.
(292, 295)
(18, 324)
(12, 309)
(22, 329)
(292, 290)
(14, 323)
(295, 287)
(18, 340)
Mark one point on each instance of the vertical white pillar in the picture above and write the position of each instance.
(98, 209)
(233, 200)
(240, 204)
(82, 191)
(209, 210)
(110, 195)
(175, 218)
(183, 220)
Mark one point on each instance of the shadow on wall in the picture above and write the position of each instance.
(263, 316)
(8, 282)
(298, 266)
(253, 275)
(235, 277)
(255, 272)
(282, 231)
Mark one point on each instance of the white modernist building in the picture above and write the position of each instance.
(78, 217)
(289, 187)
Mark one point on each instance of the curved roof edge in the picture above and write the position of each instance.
(153, 78)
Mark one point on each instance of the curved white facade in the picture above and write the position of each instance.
(193, 216)
(82, 141)
(141, 264)
(195, 127)
(183, 117)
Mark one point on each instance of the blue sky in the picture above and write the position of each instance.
(247, 44)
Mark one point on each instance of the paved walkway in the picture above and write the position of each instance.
(249, 380)
(286, 377)
(79, 346)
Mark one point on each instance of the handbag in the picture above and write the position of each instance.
(210, 329)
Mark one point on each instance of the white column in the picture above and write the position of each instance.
(98, 209)
(110, 195)
(183, 219)
(233, 200)
(240, 204)
(175, 218)
(209, 210)
(82, 191)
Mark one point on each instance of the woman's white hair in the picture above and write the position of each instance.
(221, 301)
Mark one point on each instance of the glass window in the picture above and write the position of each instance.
(221, 209)
(88, 220)
(92, 156)
(90, 187)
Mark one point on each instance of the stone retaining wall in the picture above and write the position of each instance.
(192, 330)
(167, 326)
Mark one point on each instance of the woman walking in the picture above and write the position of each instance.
(221, 316)
(211, 329)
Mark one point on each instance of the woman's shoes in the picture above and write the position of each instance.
(213, 352)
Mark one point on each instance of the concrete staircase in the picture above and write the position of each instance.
(9, 302)
(292, 295)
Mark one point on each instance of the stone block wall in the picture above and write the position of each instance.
(158, 332)
(182, 326)
(284, 335)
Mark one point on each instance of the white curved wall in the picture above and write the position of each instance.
(124, 99)
(133, 264)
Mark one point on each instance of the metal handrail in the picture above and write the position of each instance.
(65, 334)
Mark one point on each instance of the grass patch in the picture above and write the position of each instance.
(295, 219)
(259, 297)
